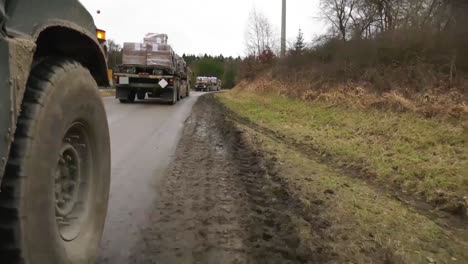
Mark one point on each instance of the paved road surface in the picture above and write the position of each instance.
(143, 137)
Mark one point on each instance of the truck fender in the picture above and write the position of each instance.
(55, 39)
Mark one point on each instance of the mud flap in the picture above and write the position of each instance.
(122, 92)
(167, 94)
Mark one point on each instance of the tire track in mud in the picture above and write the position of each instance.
(222, 203)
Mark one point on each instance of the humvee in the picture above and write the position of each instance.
(54, 138)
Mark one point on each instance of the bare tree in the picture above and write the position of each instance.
(366, 18)
(114, 54)
(260, 35)
(363, 17)
(339, 13)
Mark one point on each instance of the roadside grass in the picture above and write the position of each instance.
(363, 225)
(107, 93)
(420, 157)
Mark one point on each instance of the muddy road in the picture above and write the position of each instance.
(214, 200)
(196, 183)
(144, 137)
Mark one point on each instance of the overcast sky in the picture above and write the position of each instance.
(200, 26)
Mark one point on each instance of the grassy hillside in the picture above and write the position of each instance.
(422, 157)
(386, 181)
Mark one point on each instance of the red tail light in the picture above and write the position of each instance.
(171, 82)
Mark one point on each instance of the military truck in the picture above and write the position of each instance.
(54, 147)
(151, 69)
(215, 84)
(208, 84)
(202, 84)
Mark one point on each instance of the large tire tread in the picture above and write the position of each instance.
(10, 233)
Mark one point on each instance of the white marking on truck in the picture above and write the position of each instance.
(163, 83)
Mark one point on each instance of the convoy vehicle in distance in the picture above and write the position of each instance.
(202, 84)
(54, 147)
(207, 84)
(151, 69)
(216, 84)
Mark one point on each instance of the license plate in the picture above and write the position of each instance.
(124, 80)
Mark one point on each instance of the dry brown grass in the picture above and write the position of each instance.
(430, 104)
(107, 92)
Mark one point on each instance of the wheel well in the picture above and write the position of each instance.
(66, 42)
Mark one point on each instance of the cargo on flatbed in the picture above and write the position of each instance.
(151, 69)
(208, 84)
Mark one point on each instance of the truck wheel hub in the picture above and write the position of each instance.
(70, 183)
(67, 180)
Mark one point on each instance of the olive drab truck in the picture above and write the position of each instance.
(215, 84)
(207, 84)
(54, 138)
(150, 70)
(202, 84)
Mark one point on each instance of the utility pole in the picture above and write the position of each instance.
(283, 30)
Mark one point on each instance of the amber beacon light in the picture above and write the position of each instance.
(101, 34)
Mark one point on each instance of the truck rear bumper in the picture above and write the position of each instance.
(122, 91)
(202, 88)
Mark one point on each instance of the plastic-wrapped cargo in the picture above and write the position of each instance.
(154, 52)
(213, 80)
(181, 66)
(202, 79)
(155, 38)
(134, 53)
(160, 55)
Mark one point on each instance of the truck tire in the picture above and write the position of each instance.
(183, 92)
(179, 97)
(174, 97)
(56, 186)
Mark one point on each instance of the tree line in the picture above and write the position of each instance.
(409, 44)
(224, 68)
(412, 44)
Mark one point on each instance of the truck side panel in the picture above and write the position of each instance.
(5, 113)
(14, 70)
